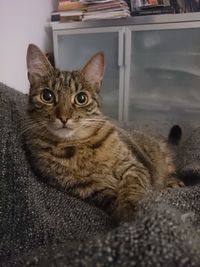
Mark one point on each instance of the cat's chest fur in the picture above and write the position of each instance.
(99, 156)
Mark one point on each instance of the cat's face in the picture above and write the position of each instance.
(64, 103)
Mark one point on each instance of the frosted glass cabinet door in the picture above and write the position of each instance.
(73, 48)
(164, 75)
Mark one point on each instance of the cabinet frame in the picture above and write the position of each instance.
(128, 46)
(121, 42)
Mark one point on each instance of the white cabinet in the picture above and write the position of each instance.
(73, 48)
(153, 64)
(163, 73)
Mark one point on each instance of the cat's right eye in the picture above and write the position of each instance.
(47, 96)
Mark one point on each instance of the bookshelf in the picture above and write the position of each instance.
(153, 63)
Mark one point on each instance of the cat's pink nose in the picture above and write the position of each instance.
(63, 119)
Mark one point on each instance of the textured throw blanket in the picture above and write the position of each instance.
(42, 226)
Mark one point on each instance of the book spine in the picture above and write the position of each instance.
(64, 6)
(152, 12)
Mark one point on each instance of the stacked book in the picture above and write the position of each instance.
(105, 9)
(149, 7)
(67, 11)
(77, 10)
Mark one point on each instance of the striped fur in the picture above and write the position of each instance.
(87, 155)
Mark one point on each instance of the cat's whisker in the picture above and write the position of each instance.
(34, 126)
(43, 131)
(27, 123)
(91, 124)
(94, 119)
(33, 123)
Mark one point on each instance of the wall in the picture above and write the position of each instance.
(22, 22)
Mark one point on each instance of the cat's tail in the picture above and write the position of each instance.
(175, 135)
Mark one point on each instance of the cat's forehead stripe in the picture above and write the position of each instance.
(59, 82)
(65, 80)
(79, 86)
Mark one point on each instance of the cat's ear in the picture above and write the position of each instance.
(37, 64)
(94, 70)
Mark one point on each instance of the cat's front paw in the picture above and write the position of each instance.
(124, 212)
(174, 183)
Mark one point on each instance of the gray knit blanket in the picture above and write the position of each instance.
(42, 226)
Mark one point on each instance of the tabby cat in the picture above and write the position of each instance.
(72, 143)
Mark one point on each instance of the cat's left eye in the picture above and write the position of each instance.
(81, 99)
(47, 96)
